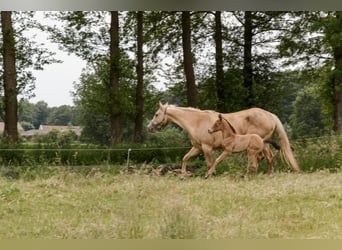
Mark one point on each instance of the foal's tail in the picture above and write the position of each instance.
(285, 145)
(273, 143)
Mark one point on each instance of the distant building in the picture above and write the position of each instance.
(48, 128)
(44, 129)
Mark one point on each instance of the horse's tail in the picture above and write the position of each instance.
(285, 146)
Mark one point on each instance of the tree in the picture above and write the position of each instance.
(42, 112)
(27, 115)
(188, 61)
(219, 80)
(91, 98)
(86, 34)
(306, 119)
(247, 58)
(333, 34)
(10, 78)
(315, 38)
(139, 99)
(34, 115)
(114, 100)
(20, 56)
(166, 39)
(61, 116)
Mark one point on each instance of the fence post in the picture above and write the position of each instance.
(129, 150)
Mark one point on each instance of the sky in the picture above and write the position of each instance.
(55, 83)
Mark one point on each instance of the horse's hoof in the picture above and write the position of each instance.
(183, 176)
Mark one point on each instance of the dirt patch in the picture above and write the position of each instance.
(164, 169)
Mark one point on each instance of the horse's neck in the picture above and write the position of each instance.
(184, 118)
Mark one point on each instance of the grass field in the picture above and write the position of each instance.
(70, 205)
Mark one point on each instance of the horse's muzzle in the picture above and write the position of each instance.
(151, 128)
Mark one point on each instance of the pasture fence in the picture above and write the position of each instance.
(314, 153)
(89, 156)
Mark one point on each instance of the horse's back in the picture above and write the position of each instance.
(253, 121)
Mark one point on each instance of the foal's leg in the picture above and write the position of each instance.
(193, 152)
(222, 156)
(252, 162)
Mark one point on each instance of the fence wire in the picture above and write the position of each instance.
(90, 149)
(294, 141)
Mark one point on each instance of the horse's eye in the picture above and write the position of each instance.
(156, 115)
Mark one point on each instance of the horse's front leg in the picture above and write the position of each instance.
(208, 155)
(193, 152)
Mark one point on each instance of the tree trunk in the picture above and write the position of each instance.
(114, 100)
(337, 82)
(188, 60)
(139, 106)
(220, 88)
(10, 78)
(247, 61)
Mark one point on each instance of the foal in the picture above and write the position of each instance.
(232, 142)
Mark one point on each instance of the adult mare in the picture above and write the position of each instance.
(196, 122)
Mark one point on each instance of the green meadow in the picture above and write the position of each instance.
(100, 205)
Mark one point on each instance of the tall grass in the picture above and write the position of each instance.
(96, 201)
(72, 205)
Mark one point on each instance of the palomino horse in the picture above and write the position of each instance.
(233, 143)
(196, 122)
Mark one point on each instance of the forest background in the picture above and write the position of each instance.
(289, 63)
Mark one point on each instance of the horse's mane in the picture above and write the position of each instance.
(230, 125)
(191, 109)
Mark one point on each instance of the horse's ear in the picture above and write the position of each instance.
(162, 106)
(220, 116)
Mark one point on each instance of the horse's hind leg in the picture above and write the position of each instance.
(269, 158)
(193, 152)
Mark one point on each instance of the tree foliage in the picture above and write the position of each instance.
(31, 115)
(286, 62)
(91, 98)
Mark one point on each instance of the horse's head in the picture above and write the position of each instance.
(159, 119)
(217, 126)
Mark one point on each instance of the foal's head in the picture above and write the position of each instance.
(223, 125)
(217, 126)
